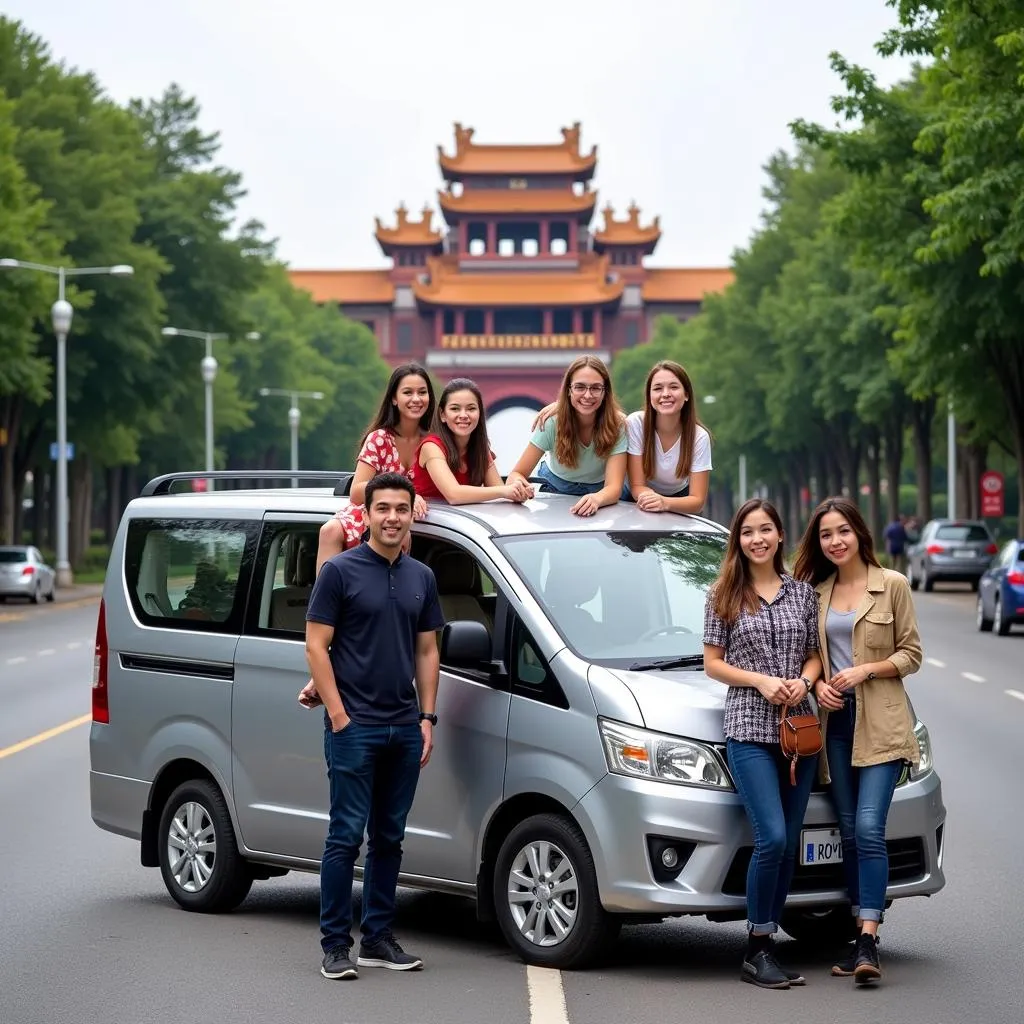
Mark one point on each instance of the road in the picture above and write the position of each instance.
(90, 936)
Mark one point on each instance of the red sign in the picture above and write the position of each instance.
(992, 494)
(199, 484)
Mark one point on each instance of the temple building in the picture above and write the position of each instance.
(516, 284)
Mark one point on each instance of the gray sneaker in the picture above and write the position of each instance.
(387, 953)
(337, 966)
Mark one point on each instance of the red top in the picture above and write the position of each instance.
(421, 479)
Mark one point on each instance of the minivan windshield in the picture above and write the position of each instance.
(622, 598)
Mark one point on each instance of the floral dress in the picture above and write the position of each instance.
(380, 453)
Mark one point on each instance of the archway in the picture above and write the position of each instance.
(508, 428)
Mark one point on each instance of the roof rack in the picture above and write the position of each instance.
(163, 484)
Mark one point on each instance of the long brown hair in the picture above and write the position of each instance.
(478, 451)
(688, 417)
(388, 417)
(734, 591)
(812, 564)
(607, 422)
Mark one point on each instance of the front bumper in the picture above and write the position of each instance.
(619, 814)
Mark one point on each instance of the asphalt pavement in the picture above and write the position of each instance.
(88, 935)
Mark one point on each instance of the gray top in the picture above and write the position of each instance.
(839, 633)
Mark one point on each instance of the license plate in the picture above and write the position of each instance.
(964, 553)
(820, 846)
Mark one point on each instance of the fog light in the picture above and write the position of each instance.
(669, 857)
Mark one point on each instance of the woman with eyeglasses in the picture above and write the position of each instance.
(585, 441)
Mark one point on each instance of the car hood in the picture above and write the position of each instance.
(682, 703)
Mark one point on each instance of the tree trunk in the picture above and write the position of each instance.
(40, 522)
(835, 474)
(894, 465)
(131, 487)
(80, 507)
(921, 416)
(975, 458)
(113, 507)
(873, 459)
(10, 422)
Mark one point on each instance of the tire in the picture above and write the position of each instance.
(927, 583)
(984, 624)
(199, 808)
(591, 930)
(975, 584)
(911, 577)
(35, 595)
(829, 928)
(1002, 626)
(52, 594)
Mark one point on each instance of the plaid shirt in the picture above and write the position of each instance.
(775, 641)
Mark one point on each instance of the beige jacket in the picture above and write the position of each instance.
(884, 628)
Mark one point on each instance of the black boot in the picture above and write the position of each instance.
(760, 966)
(866, 968)
(794, 977)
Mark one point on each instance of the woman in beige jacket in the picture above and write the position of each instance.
(867, 632)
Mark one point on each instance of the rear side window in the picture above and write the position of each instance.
(286, 570)
(190, 573)
(964, 534)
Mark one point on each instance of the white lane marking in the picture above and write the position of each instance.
(16, 661)
(972, 677)
(935, 662)
(43, 654)
(1014, 693)
(547, 998)
(74, 644)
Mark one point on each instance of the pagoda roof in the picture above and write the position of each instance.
(628, 231)
(557, 158)
(587, 286)
(346, 287)
(685, 284)
(522, 200)
(408, 232)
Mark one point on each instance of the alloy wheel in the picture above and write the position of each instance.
(191, 846)
(543, 893)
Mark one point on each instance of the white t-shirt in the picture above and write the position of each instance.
(665, 480)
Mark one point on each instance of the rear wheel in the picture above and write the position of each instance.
(927, 583)
(35, 594)
(830, 927)
(912, 576)
(52, 593)
(199, 857)
(984, 623)
(545, 895)
(1000, 624)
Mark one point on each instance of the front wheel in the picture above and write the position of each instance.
(830, 927)
(984, 622)
(199, 857)
(545, 895)
(1001, 624)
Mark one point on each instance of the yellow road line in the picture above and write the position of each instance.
(42, 737)
(78, 602)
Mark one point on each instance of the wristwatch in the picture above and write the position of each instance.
(871, 675)
(807, 683)
(428, 717)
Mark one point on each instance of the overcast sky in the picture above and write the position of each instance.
(332, 110)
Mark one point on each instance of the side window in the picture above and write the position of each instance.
(286, 570)
(464, 590)
(531, 676)
(190, 573)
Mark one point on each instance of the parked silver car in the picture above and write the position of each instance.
(950, 550)
(578, 778)
(23, 573)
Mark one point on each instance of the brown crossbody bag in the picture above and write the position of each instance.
(799, 736)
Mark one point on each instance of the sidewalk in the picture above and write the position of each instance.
(79, 592)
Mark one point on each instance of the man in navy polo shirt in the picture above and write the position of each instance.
(370, 631)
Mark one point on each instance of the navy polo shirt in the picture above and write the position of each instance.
(377, 609)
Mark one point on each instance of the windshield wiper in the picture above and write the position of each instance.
(683, 661)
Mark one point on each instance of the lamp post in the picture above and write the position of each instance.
(208, 370)
(294, 419)
(950, 463)
(62, 314)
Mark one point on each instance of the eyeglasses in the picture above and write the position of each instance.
(582, 389)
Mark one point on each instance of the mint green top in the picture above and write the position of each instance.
(589, 468)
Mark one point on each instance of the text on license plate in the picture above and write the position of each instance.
(963, 553)
(820, 846)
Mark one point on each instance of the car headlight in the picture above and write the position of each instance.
(924, 744)
(643, 754)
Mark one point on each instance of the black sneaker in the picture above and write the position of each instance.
(866, 968)
(337, 965)
(763, 970)
(843, 967)
(794, 977)
(386, 952)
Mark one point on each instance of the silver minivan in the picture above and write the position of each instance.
(578, 779)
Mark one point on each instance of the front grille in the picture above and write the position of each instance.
(906, 864)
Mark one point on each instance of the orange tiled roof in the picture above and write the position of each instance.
(409, 232)
(628, 231)
(511, 200)
(588, 286)
(560, 158)
(347, 287)
(664, 284)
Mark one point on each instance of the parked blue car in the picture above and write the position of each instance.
(1001, 591)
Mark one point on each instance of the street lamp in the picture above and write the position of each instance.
(208, 370)
(710, 400)
(294, 418)
(61, 314)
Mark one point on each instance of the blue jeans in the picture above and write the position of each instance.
(372, 771)
(558, 484)
(861, 797)
(776, 812)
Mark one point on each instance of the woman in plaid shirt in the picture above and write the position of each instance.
(761, 640)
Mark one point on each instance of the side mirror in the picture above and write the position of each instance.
(465, 644)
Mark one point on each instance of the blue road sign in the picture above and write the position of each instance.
(69, 449)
